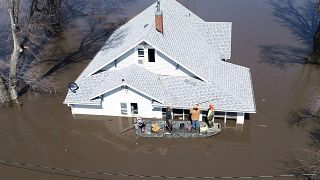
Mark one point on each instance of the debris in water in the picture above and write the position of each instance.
(127, 129)
(262, 125)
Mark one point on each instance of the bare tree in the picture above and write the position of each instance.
(314, 58)
(3, 91)
(31, 23)
(310, 163)
(13, 8)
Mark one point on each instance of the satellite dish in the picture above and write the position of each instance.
(73, 87)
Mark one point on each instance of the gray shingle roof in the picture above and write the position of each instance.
(176, 91)
(183, 39)
(218, 35)
(195, 44)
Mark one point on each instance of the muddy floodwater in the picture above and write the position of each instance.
(43, 131)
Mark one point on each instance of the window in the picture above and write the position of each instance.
(140, 52)
(177, 114)
(151, 55)
(134, 108)
(124, 110)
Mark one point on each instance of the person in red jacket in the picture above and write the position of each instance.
(210, 115)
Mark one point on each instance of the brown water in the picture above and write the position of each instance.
(44, 132)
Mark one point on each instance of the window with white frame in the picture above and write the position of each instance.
(140, 52)
(141, 55)
(124, 109)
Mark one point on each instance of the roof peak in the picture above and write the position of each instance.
(158, 5)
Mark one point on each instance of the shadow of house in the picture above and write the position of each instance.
(301, 18)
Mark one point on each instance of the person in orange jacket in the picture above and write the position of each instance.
(195, 116)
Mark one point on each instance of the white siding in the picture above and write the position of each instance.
(123, 61)
(111, 105)
(87, 109)
(162, 65)
(165, 66)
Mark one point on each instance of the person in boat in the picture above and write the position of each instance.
(169, 119)
(140, 124)
(210, 116)
(195, 115)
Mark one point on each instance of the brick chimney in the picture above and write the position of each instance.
(159, 19)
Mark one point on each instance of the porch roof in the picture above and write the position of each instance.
(176, 91)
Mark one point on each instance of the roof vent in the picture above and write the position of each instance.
(159, 18)
(190, 82)
(73, 87)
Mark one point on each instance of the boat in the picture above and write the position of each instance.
(180, 129)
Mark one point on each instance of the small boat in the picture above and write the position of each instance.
(180, 129)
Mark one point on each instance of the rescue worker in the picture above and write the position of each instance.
(195, 116)
(169, 118)
(210, 116)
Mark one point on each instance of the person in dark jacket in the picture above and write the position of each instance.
(169, 118)
(141, 124)
(210, 116)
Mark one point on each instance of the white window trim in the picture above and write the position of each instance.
(137, 54)
(124, 109)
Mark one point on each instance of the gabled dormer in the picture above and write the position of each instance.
(150, 58)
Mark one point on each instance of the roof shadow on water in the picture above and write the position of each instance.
(301, 18)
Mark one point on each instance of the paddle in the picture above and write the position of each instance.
(127, 129)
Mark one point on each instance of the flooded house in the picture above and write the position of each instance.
(165, 56)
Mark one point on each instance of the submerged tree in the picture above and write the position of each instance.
(31, 22)
(314, 58)
(310, 164)
(34, 23)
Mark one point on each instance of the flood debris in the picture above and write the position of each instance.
(262, 125)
